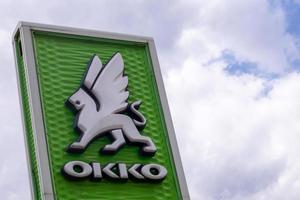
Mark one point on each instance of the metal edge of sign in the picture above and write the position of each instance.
(29, 167)
(168, 121)
(82, 31)
(25, 29)
(39, 134)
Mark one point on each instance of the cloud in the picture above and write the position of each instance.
(237, 142)
(254, 31)
(237, 131)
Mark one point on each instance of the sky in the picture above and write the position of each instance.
(231, 71)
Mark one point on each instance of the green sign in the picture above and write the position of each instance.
(95, 115)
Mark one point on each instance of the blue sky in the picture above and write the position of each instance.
(292, 12)
(231, 66)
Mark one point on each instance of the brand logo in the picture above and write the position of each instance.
(77, 170)
(101, 106)
(100, 103)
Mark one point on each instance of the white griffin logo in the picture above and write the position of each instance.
(99, 103)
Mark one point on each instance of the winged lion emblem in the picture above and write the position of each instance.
(101, 103)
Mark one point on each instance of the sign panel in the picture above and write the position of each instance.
(95, 115)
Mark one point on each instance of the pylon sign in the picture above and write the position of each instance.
(95, 115)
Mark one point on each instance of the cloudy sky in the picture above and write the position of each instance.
(231, 70)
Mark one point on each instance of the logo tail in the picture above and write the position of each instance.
(141, 122)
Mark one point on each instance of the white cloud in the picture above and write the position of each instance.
(239, 138)
(238, 143)
(253, 30)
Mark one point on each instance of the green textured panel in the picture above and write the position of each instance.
(23, 87)
(61, 62)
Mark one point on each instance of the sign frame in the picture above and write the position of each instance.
(24, 32)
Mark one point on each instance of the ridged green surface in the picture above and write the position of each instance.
(28, 123)
(61, 63)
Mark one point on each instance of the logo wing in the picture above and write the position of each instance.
(110, 84)
(93, 71)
